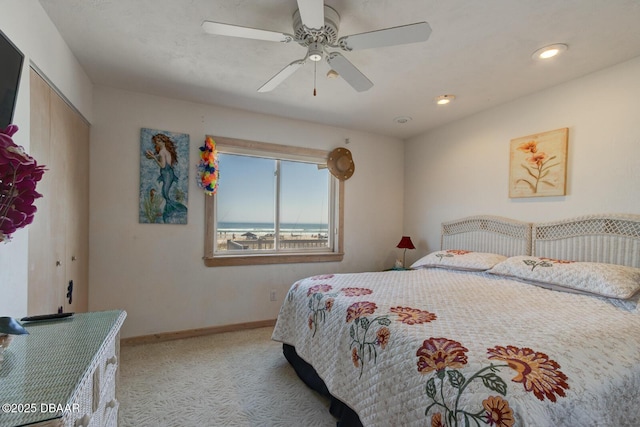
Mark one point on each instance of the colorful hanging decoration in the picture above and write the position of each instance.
(208, 167)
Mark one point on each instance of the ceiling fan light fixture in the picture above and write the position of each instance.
(332, 74)
(550, 51)
(444, 99)
(315, 52)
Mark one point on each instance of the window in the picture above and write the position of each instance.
(274, 204)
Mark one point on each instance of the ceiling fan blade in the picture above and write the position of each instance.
(220, 29)
(285, 73)
(404, 34)
(312, 13)
(349, 72)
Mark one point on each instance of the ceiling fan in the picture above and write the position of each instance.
(315, 27)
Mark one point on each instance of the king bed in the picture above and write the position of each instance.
(509, 324)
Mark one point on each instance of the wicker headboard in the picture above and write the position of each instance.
(610, 238)
(485, 233)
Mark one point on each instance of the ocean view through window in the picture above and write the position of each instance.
(274, 204)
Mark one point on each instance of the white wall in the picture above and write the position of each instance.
(156, 272)
(31, 30)
(462, 169)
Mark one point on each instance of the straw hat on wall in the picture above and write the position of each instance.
(340, 163)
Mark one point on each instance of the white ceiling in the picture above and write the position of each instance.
(480, 51)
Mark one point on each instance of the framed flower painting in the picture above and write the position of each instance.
(538, 164)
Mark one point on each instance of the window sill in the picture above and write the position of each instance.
(235, 260)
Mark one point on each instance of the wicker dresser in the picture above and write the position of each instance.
(64, 373)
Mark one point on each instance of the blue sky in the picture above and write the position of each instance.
(246, 190)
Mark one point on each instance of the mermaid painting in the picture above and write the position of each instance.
(165, 156)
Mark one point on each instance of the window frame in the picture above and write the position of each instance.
(281, 152)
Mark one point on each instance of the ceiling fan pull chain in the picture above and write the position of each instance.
(315, 67)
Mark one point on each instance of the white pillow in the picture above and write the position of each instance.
(455, 259)
(608, 280)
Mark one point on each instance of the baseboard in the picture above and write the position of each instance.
(190, 333)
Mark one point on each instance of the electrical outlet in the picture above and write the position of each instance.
(272, 295)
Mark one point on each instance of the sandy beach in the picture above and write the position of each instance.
(242, 240)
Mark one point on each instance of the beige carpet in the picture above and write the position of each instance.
(230, 379)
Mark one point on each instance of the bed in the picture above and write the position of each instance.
(509, 324)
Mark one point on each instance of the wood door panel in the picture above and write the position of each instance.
(43, 295)
(58, 238)
(77, 237)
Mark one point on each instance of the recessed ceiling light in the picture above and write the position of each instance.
(402, 119)
(550, 51)
(444, 99)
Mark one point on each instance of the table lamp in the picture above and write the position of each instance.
(405, 243)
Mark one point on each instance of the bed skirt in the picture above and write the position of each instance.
(345, 416)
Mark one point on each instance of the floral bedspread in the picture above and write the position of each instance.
(436, 347)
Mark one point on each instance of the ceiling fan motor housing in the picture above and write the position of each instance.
(328, 35)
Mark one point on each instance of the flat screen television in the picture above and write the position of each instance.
(10, 69)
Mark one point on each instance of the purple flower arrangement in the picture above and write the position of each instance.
(19, 174)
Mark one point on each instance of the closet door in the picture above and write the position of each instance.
(58, 236)
(45, 241)
(76, 135)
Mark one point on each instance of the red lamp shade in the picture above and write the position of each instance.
(405, 243)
